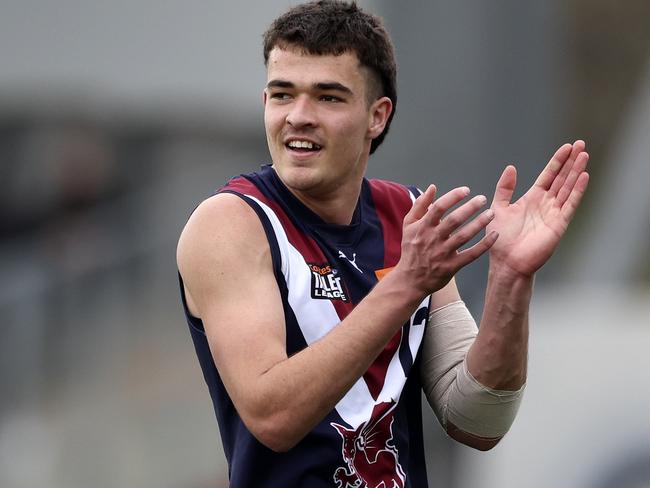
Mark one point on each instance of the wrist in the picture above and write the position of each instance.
(508, 285)
(500, 269)
(397, 284)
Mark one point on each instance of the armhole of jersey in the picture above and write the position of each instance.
(276, 255)
(195, 322)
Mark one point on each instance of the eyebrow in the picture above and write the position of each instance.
(325, 86)
(279, 84)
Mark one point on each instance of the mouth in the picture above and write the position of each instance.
(302, 146)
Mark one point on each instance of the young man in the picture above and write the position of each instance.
(321, 303)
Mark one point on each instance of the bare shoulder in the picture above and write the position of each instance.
(224, 220)
(222, 242)
(217, 215)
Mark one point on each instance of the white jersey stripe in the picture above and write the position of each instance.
(317, 317)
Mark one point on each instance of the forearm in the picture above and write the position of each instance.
(470, 413)
(295, 394)
(498, 358)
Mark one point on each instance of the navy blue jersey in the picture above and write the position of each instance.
(374, 434)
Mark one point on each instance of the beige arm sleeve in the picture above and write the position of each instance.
(451, 390)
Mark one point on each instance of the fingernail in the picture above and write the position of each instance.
(489, 214)
(482, 199)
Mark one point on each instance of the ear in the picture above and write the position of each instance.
(379, 112)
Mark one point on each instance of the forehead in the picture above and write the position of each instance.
(299, 67)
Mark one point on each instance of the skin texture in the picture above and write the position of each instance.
(322, 99)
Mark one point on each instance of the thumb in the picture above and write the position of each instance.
(505, 187)
(421, 205)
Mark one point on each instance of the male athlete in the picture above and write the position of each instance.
(321, 303)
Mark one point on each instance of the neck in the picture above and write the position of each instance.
(333, 201)
(336, 207)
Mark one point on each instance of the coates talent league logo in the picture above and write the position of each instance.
(370, 457)
(325, 284)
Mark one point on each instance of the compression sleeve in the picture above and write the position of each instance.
(453, 393)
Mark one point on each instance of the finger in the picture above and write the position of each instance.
(559, 181)
(458, 217)
(445, 202)
(573, 201)
(505, 187)
(546, 177)
(471, 229)
(470, 254)
(421, 204)
(578, 168)
(578, 147)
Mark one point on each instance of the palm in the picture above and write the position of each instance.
(530, 228)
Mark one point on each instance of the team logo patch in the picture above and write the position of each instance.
(325, 284)
(370, 457)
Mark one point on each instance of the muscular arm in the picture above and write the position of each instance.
(529, 231)
(225, 261)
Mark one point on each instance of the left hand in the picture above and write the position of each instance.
(530, 228)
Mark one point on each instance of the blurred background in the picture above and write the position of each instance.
(117, 118)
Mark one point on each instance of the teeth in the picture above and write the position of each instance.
(303, 145)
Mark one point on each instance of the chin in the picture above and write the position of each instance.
(298, 178)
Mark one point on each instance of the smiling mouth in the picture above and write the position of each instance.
(303, 146)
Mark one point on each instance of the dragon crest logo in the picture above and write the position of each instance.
(371, 458)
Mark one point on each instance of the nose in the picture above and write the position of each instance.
(302, 113)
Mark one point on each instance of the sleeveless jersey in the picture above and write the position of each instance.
(374, 434)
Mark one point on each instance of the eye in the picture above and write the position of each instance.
(280, 96)
(330, 98)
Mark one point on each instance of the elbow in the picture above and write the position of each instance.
(275, 440)
(277, 421)
(483, 444)
(471, 440)
(274, 431)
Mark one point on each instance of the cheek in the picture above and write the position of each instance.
(272, 124)
(353, 130)
(268, 119)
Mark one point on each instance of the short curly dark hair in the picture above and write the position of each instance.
(335, 27)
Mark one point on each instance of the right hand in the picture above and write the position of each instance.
(431, 240)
